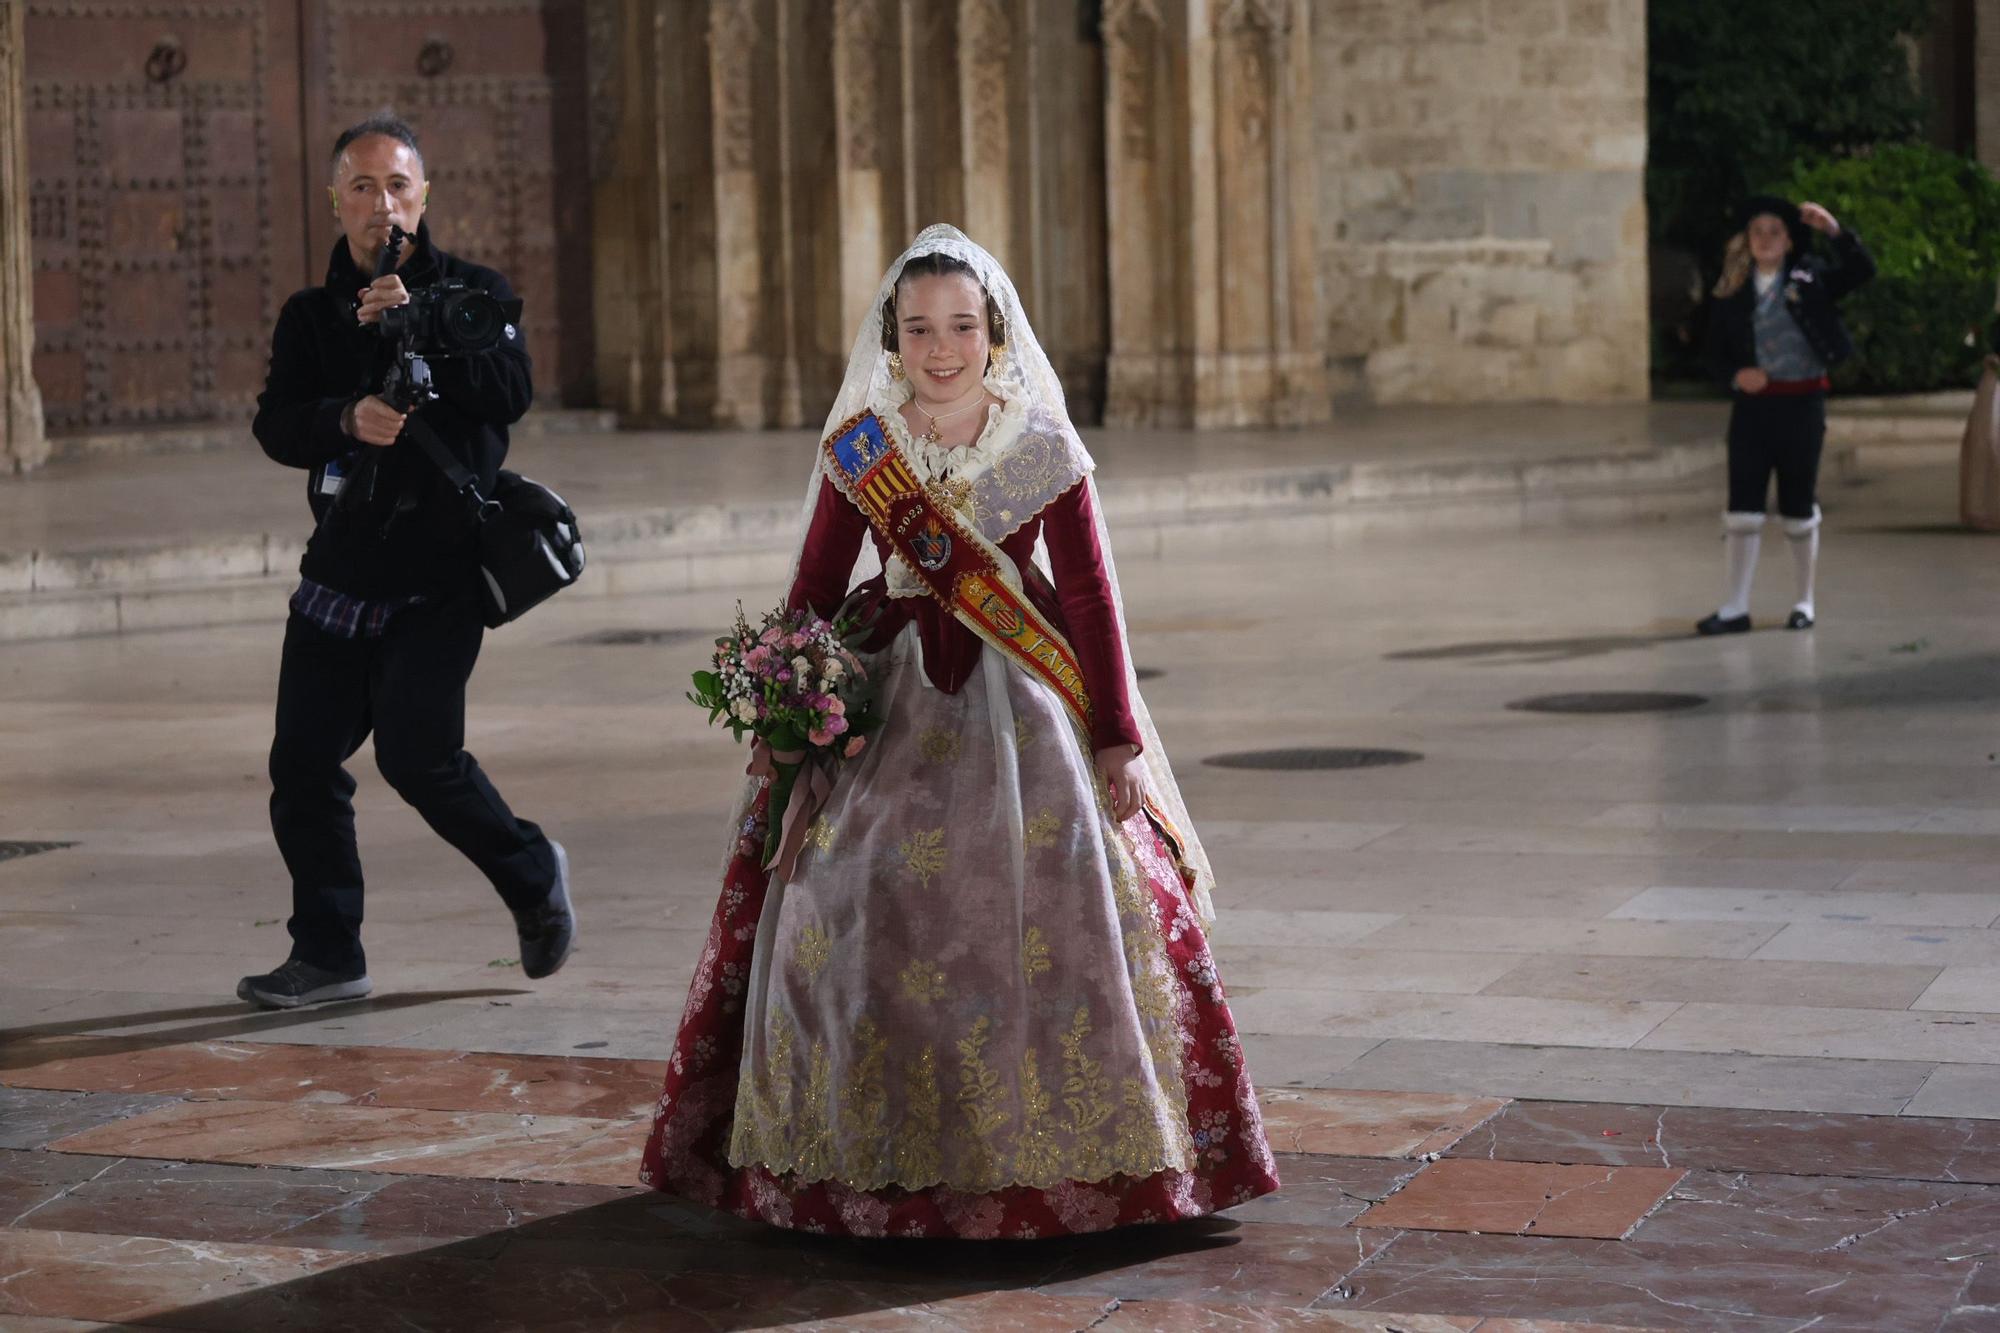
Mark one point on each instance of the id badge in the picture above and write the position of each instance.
(334, 476)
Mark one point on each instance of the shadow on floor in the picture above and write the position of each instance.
(645, 1262)
(27, 1047)
(1533, 652)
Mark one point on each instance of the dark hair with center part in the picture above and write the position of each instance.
(935, 265)
(385, 123)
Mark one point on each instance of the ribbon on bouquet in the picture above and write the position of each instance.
(793, 809)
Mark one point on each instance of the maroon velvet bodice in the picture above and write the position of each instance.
(1080, 603)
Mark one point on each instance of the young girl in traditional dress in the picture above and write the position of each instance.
(1773, 335)
(982, 1003)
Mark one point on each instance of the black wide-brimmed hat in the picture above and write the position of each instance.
(1784, 210)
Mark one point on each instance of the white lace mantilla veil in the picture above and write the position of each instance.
(1025, 377)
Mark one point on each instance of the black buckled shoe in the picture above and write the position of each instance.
(297, 982)
(1799, 619)
(1720, 624)
(548, 931)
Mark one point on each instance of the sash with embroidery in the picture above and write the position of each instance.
(970, 576)
(967, 574)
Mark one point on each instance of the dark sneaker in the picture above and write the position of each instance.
(1799, 619)
(1718, 624)
(298, 982)
(548, 931)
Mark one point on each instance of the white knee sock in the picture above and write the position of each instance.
(1743, 537)
(1802, 535)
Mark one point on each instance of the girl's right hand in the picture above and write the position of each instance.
(1752, 379)
(760, 759)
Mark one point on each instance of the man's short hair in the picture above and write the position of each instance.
(382, 122)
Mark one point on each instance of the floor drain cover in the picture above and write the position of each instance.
(1608, 701)
(1148, 673)
(10, 850)
(1289, 761)
(624, 637)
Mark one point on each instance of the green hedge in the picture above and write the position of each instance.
(1932, 221)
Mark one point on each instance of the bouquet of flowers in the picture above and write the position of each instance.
(795, 684)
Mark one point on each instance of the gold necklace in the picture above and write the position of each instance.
(934, 435)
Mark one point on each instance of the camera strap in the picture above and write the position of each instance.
(455, 472)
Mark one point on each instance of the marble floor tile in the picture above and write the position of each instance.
(1266, 1265)
(31, 1118)
(1524, 1198)
(1964, 989)
(1651, 1286)
(1918, 877)
(1548, 841)
(1363, 969)
(1978, 1307)
(1839, 906)
(357, 1075)
(1699, 1138)
(1324, 1191)
(1280, 1061)
(1369, 1124)
(1970, 1091)
(1411, 1015)
(31, 1181)
(132, 1278)
(563, 1149)
(1940, 847)
(1650, 939)
(1848, 1034)
(1786, 818)
(1940, 946)
(1723, 981)
(1251, 927)
(341, 1210)
(1872, 1221)
(1181, 1317)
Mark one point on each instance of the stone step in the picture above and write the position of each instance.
(246, 578)
(233, 433)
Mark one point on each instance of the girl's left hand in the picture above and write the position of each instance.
(1120, 768)
(1819, 219)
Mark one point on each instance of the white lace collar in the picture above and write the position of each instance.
(933, 462)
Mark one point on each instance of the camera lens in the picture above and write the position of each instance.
(471, 321)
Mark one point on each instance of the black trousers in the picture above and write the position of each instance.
(1782, 434)
(408, 687)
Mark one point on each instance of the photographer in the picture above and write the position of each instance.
(385, 625)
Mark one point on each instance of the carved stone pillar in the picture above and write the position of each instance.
(630, 141)
(988, 102)
(23, 443)
(1986, 82)
(1214, 281)
(750, 335)
(862, 44)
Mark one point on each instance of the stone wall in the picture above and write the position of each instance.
(1482, 222)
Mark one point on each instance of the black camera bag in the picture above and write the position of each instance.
(529, 546)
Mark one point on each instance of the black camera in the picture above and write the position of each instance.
(449, 319)
(444, 319)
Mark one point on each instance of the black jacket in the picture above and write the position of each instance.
(1813, 286)
(413, 535)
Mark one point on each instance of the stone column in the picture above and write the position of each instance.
(987, 104)
(862, 33)
(1986, 82)
(635, 339)
(23, 443)
(1210, 178)
(750, 325)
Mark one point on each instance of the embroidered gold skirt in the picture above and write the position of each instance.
(980, 1007)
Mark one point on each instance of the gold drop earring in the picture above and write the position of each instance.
(896, 366)
(996, 359)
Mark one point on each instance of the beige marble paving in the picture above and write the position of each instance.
(1835, 905)
(1966, 988)
(1448, 1017)
(1959, 1090)
(1268, 965)
(1848, 1034)
(1654, 939)
(1786, 818)
(1724, 981)
(1829, 942)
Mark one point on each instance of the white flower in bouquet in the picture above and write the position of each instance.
(745, 710)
